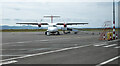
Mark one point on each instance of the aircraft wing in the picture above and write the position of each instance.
(72, 23)
(33, 23)
(28, 23)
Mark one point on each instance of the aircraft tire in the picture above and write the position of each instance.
(68, 32)
(58, 33)
(75, 32)
(48, 33)
(64, 32)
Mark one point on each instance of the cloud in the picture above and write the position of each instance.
(96, 13)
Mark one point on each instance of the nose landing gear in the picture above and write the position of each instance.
(47, 33)
(75, 32)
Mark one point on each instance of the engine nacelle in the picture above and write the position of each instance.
(65, 25)
(39, 25)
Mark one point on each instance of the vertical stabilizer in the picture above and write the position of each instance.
(52, 16)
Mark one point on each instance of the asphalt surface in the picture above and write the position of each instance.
(36, 48)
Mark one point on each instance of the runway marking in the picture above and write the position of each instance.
(100, 45)
(10, 55)
(117, 47)
(29, 41)
(5, 43)
(110, 45)
(20, 42)
(45, 52)
(43, 40)
(14, 49)
(27, 49)
(110, 60)
(17, 45)
(8, 62)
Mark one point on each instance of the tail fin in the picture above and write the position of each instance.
(51, 17)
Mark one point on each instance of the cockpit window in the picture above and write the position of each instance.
(52, 26)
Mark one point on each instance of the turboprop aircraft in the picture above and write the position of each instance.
(53, 27)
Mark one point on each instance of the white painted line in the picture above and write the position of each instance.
(43, 40)
(20, 42)
(14, 49)
(117, 47)
(110, 45)
(5, 43)
(8, 62)
(11, 43)
(110, 60)
(16, 45)
(64, 49)
(10, 55)
(26, 49)
(100, 45)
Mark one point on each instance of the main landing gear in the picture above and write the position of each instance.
(48, 33)
(69, 32)
(58, 33)
(66, 32)
(75, 32)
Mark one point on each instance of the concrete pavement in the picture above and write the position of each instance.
(36, 48)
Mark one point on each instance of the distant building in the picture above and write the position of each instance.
(119, 18)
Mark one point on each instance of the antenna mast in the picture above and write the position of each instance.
(113, 19)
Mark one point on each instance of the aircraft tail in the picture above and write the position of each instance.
(51, 17)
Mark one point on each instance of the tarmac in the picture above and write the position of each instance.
(37, 48)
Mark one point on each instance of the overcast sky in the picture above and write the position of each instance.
(95, 13)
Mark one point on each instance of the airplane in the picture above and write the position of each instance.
(53, 27)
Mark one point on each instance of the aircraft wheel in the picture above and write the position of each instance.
(64, 32)
(58, 33)
(48, 33)
(75, 32)
(69, 32)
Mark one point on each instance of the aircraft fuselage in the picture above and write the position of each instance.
(52, 28)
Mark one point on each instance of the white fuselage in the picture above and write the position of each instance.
(52, 27)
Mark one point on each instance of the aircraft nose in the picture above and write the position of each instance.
(51, 29)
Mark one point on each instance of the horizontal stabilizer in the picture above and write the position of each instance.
(72, 23)
(52, 16)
